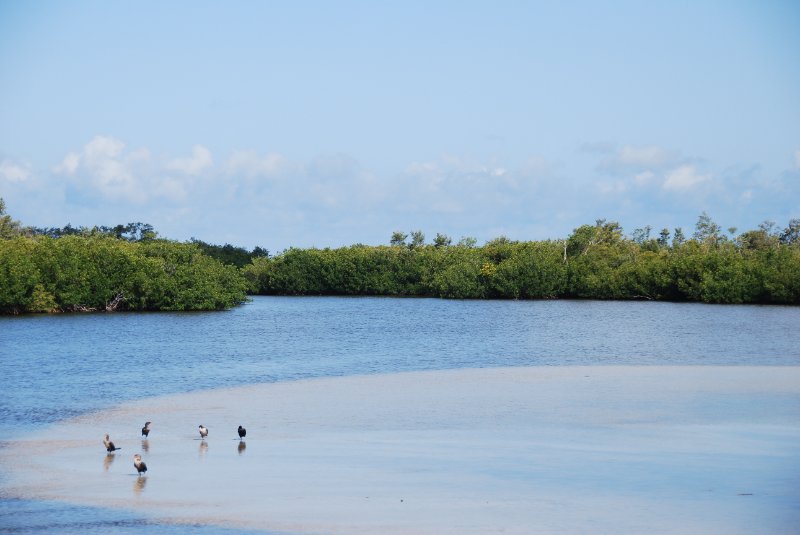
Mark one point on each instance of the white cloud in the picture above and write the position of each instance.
(68, 165)
(171, 188)
(427, 178)
(684, 178)
(13, 172)
(452, 171)
(452, 185)
(333, 166)
(251, 165)
(425, 168)
(105, 169)
(109, 174)
(139, 155)
(642, 158)
(339, 181)
(199, 161)
(333, 199)
(644, 178)
(647, 156)
(103, 148)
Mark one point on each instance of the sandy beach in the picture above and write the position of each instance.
(600, 449)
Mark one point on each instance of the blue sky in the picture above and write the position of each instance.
(332, 123)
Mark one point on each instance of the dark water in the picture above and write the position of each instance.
(56, 367)
(32, 517)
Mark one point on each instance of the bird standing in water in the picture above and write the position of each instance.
(139, 464)
(242, 432)
(109, 445)
(146, 429)
(203, 431)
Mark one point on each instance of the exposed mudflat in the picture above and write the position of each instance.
(600, 449)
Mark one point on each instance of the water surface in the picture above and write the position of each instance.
(61, 366)
(55, 367)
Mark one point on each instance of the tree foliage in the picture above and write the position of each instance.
(230, 254)
(760, 266)
(124, 267)
(8, 227)
(127, 267)
(96, 273)
(89, 273)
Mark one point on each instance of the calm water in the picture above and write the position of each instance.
(56, 367)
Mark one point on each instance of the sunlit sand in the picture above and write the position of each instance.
(512, 450)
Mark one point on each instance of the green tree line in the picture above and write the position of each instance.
(594, 262)
(128, 267)
(99, 270)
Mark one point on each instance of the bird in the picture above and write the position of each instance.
(203, 431)
(146, 429)
(109, 445)
(139, 464)
(242, 432)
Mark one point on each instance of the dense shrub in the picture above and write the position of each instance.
(97, 272)
(607, 268)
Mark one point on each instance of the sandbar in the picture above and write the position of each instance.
(584, 449)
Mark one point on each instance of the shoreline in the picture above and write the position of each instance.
(609, 449)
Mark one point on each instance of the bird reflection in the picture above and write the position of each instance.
(242, 446)
(203, 448)
(146, 445)
(107, 461)
(138, 485)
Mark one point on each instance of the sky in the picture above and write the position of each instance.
(326, 124)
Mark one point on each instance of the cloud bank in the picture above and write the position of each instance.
(14, 172)
(252, 197)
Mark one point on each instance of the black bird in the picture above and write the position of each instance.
(146, 429)
(109, 445)
(139, 464)
(242, 432)
(203, 431)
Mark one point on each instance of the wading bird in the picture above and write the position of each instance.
(109, 445)
(242, 432)
(139, 464)
(203, 431)
(146, 429)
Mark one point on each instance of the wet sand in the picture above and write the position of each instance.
(511, 450)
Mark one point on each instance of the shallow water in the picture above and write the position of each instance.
(677, 449)
(58, 367)
(29, 516)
